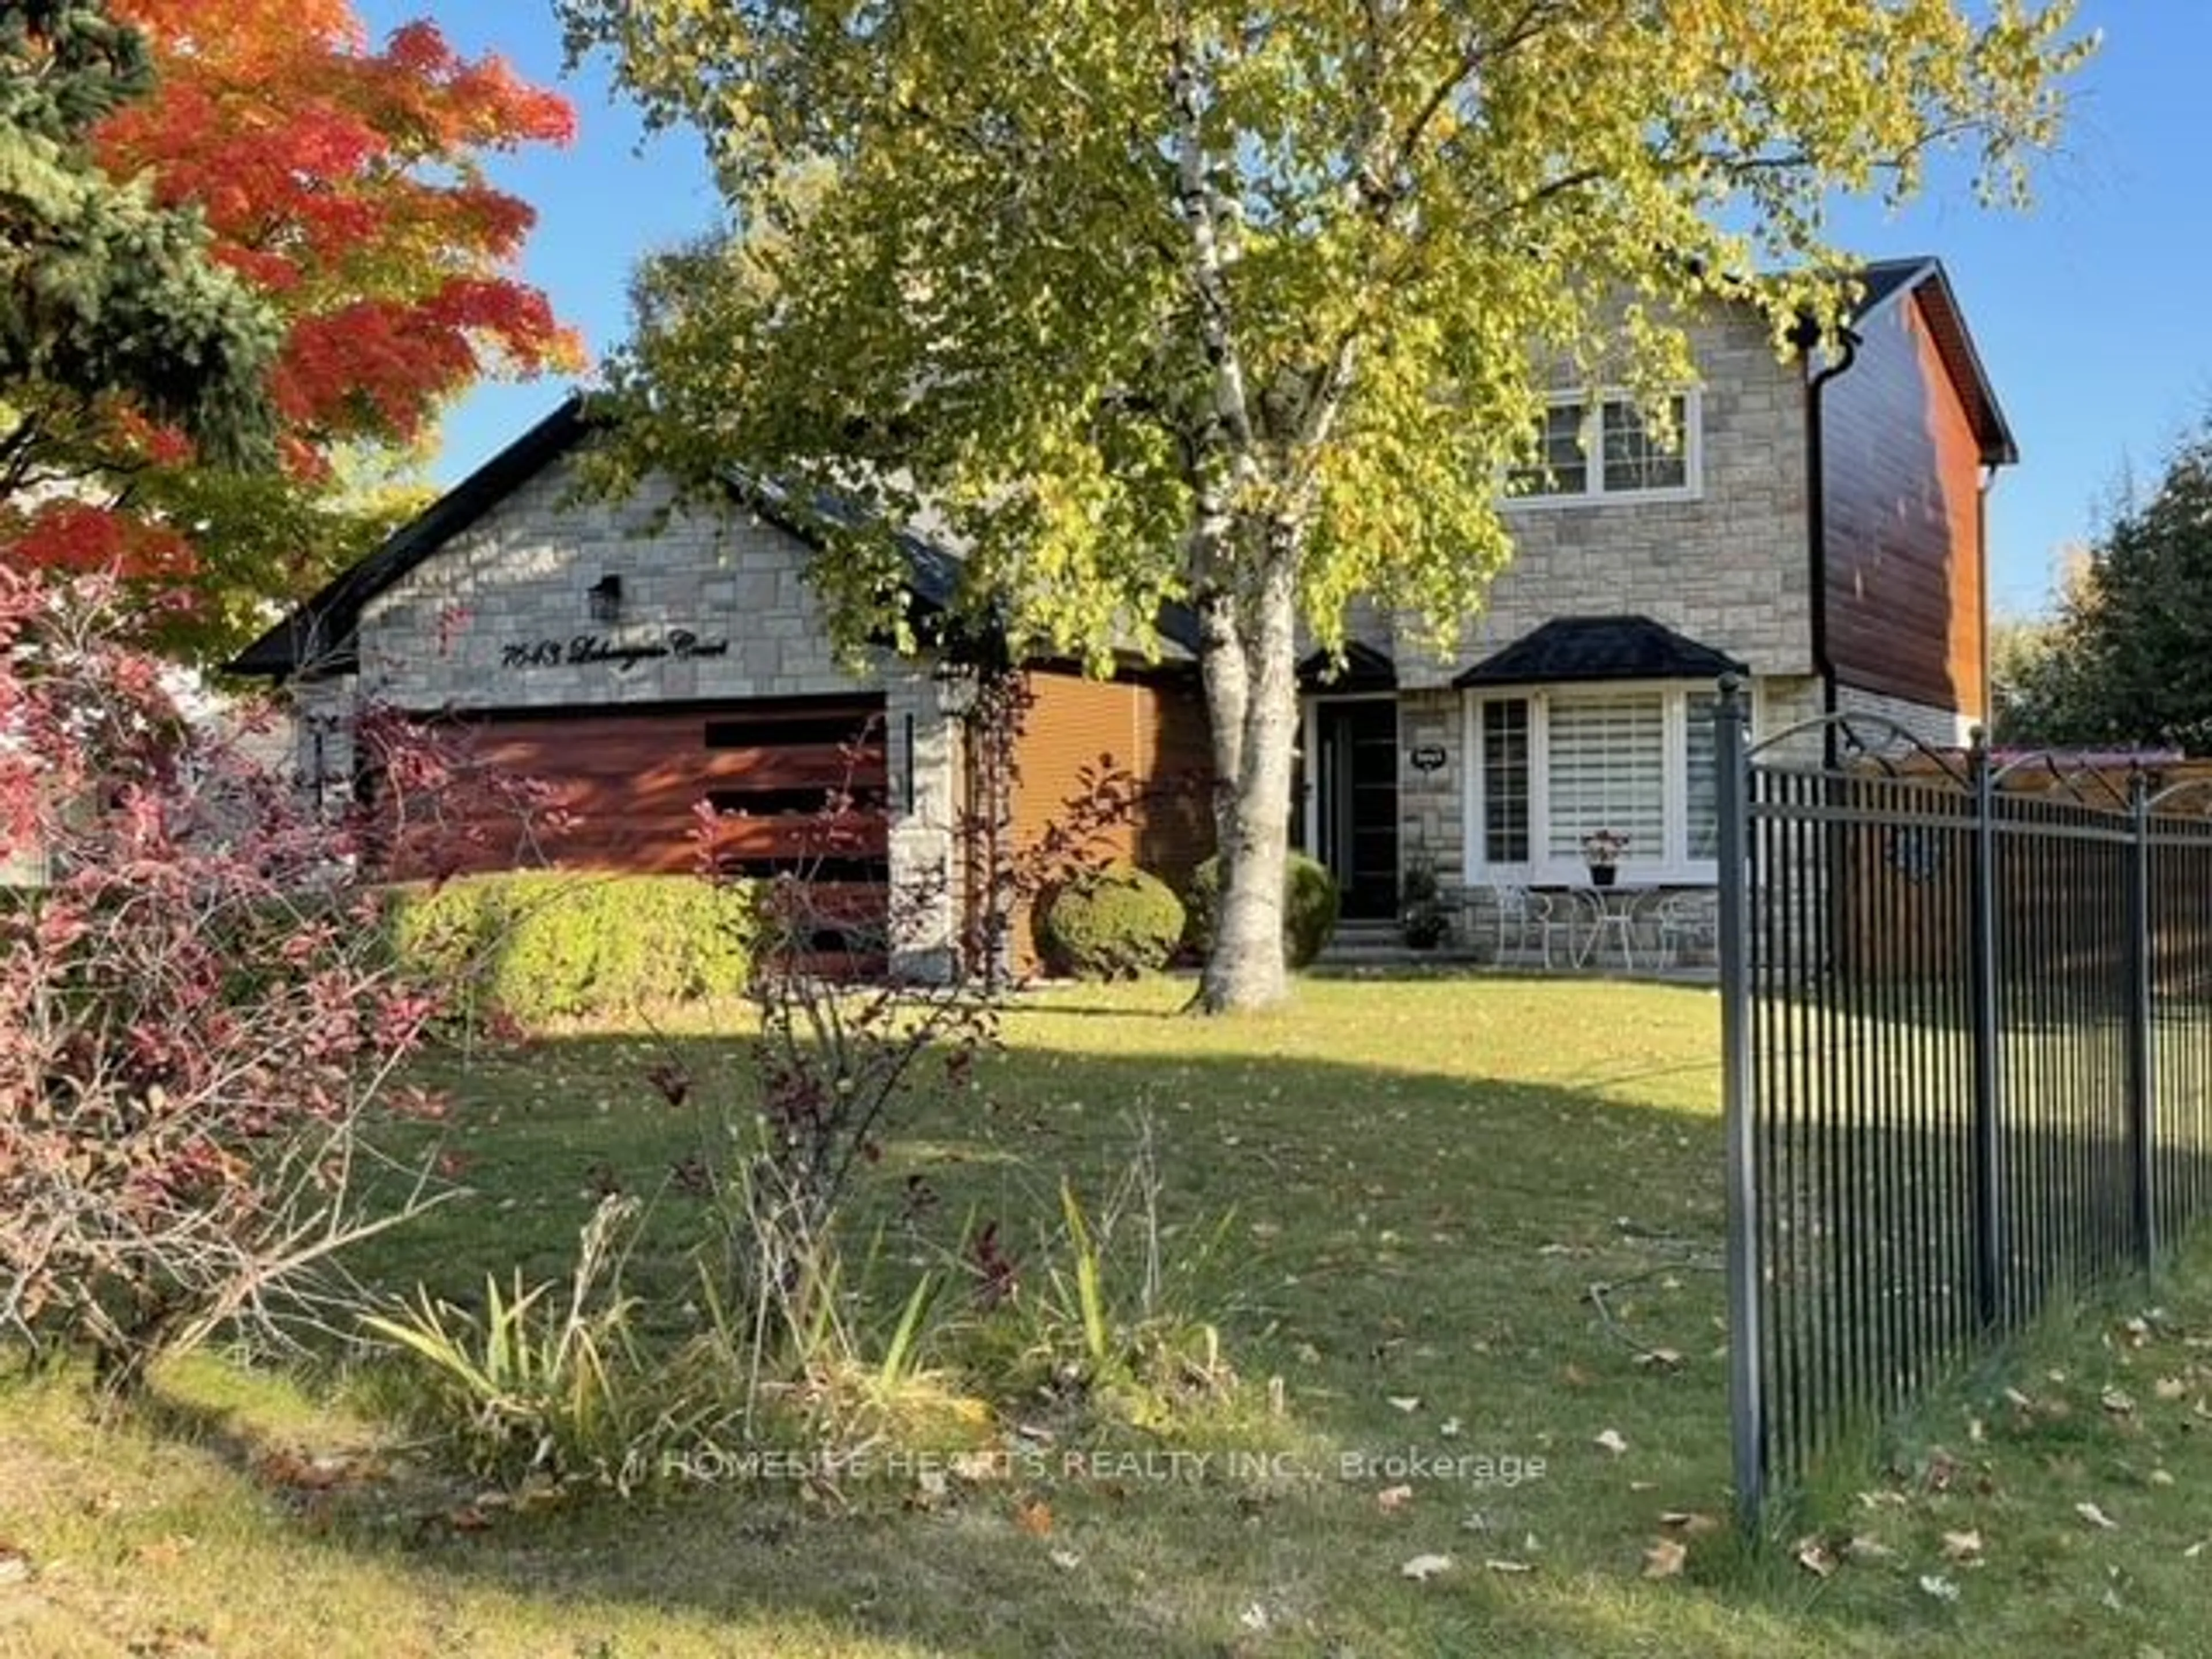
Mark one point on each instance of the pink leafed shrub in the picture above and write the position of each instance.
(197, 1012)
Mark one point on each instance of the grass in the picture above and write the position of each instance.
(1422, 1180)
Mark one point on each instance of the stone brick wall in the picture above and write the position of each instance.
(492, 621)
(1729, 567)
(1432, 804)
(443, 635)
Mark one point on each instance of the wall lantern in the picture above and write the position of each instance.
(604, 596)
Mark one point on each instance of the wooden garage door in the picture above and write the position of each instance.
(623, 790)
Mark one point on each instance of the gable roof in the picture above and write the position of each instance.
(1363, 668)
(1889, 283)
(319, 633)
(1584, 648)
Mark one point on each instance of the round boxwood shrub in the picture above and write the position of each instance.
(1110, 924)
(1310, 906)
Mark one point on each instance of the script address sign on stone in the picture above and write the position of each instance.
(678, 644)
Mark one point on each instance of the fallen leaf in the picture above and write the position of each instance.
(2160, 1477)
(1665, 1359)
(1935, 1584)
(1254, 1617)
(1405, 1402)
(14, 1566)
(1066, 1560)
(1869, 1549)
(2118, 1402)
(1034, 1517)
(1664, 1559)
(2170, 1388)
(1422, 1568)
(1689, 1523)
(2096, 1517)
(166, 1552)
(1449, 1428)
(1612, 1441)
(1575, 1377)
(1393, 1498)
(2194, 1550)
(1498, 1564)
(1816, 1557)
(1962, 1546)
(468, 1518)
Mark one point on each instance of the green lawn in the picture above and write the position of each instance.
(1424, 1179)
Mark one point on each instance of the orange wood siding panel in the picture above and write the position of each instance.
(628, 785)
(1906, 569)
(1157, 731)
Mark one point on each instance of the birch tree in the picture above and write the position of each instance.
(1251, 306)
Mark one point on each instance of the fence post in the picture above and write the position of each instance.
(2142, 1113)
(1988, 1193)
(1747, 1339)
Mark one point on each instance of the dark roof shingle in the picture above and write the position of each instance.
(1568, 649)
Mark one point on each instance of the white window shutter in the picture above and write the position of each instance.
(1607, 770)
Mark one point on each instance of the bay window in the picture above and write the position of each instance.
(1550, 765)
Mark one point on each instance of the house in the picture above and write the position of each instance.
(636, 658)
(1818, 531)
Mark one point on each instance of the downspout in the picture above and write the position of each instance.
(1982, 564)
(1816, 520)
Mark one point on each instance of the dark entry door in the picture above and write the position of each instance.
(1358, 774)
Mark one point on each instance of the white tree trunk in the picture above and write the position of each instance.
(1252, 699)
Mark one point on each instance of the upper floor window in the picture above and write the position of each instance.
(1618, 456)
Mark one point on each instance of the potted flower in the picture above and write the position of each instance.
(1423, 920)
(1601, 851)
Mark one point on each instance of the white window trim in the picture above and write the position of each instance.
(1673, 868)
(1594, 493)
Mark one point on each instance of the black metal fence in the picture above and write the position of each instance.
(1967, 1016)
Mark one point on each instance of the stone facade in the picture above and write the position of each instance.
(443, 635)
(714, 605)
(1728, 567)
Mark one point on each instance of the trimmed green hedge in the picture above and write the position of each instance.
(1310, 906)
(537, 945)
(1109, 924)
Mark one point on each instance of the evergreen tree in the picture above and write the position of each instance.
(2129, 658)
(104, 293)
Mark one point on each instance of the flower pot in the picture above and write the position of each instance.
(1602, 875)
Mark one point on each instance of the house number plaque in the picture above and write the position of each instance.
(1429, 757)
(680, 644)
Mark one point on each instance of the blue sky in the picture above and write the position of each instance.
(2087, 309)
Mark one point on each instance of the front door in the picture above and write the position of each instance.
(1356, 775)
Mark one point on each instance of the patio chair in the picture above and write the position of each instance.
(1523, 914)
(1687, 920)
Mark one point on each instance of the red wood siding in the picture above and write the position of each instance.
(1906, 569)
(626, 787)
(1157, 730)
